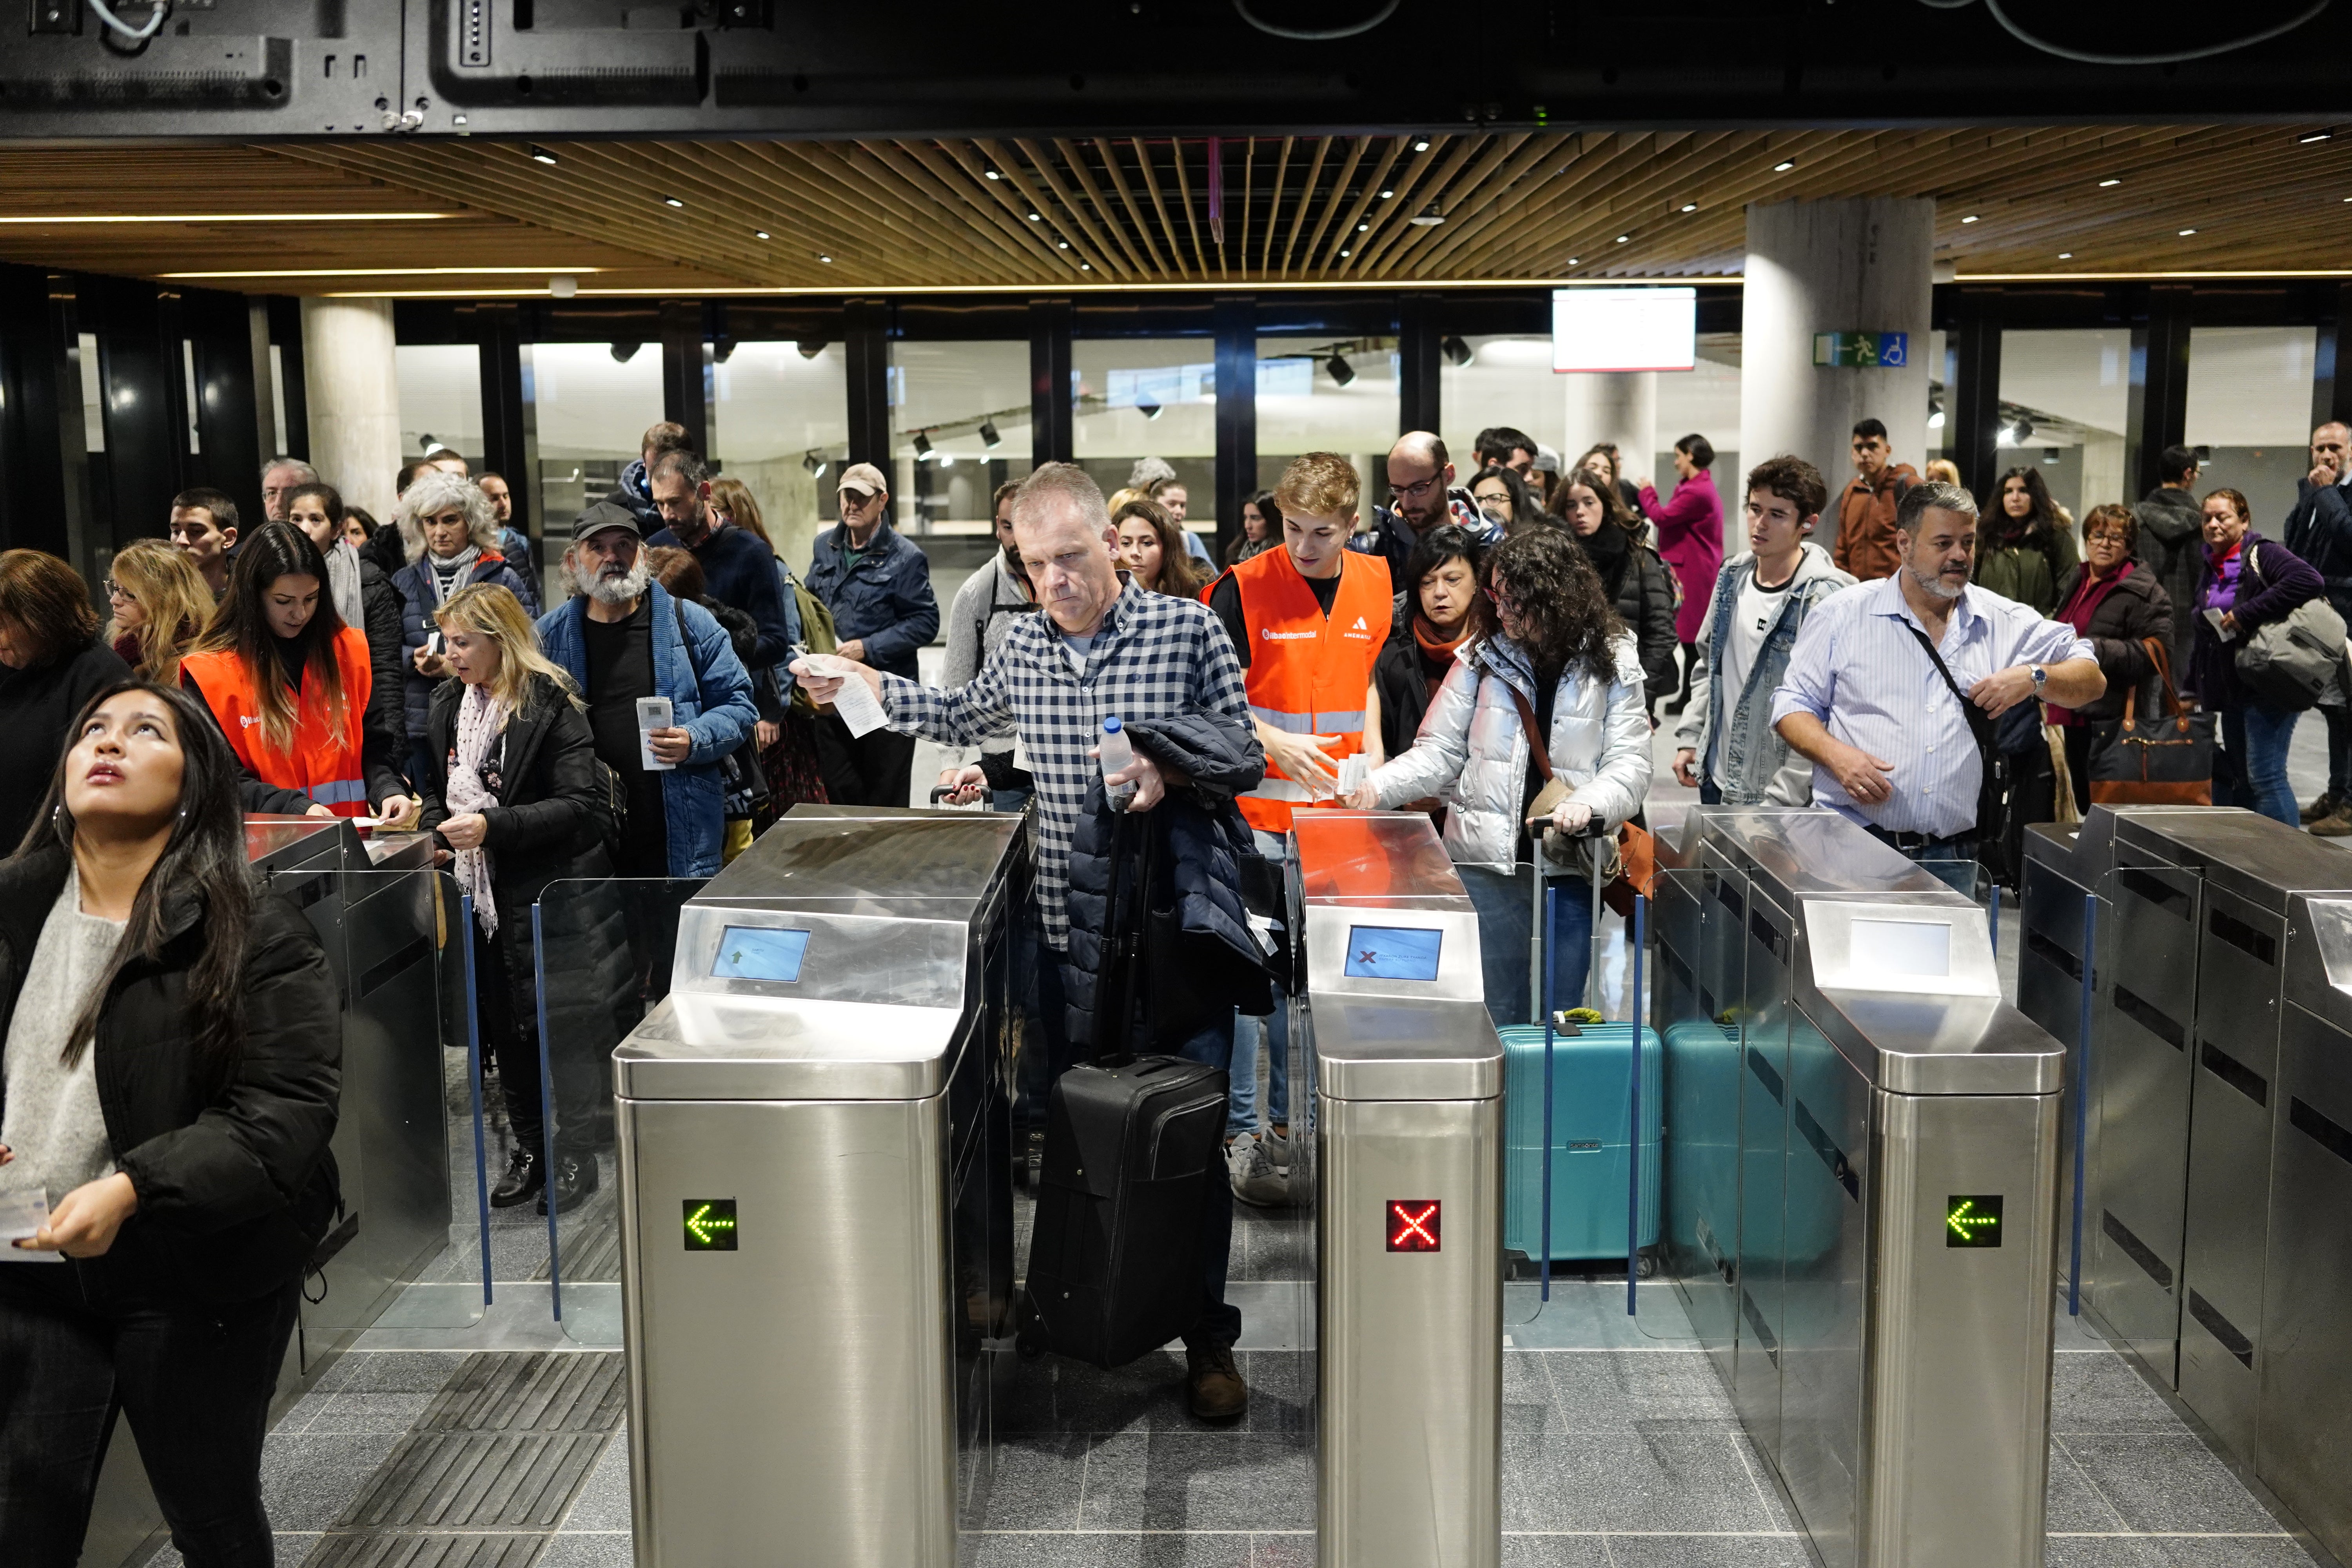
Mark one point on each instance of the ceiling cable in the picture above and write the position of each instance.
(2015, 30)
(134, 35)
(1305, 34)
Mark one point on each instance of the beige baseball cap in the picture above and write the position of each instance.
(864, 479)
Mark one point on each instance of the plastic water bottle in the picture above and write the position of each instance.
(1117, 754)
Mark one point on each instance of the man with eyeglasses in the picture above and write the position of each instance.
(203, 526)
(1420, 482)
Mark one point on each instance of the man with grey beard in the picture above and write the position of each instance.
(1872, 693)
(622, 637)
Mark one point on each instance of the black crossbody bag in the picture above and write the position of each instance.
(2000, 741)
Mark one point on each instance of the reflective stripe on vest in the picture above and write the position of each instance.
(1308, 672)
(323, 762)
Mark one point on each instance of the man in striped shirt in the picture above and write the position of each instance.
(1892, 748)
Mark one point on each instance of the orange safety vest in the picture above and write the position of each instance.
(1308, 672)
(325, 760)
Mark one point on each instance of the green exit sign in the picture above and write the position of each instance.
(1862, 351)
(710, 1225)
(1972, 1220)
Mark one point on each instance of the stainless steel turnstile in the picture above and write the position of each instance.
(1406, 1080)
(816, 1203)
(1862, 1186)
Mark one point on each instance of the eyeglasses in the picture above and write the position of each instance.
(1502, 600)
(1414, 490)
(115, 590)
(2106, 537)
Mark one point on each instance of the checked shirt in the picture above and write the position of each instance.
(1155, 657)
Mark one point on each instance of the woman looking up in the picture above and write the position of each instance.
(50, 662)
(289, 684)
(160, 607)
(170, 1084)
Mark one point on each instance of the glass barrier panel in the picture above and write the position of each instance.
(407, 1251)
(600, 954)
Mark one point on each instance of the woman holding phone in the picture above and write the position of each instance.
(171, 1077)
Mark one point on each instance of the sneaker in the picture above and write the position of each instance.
(2337, 823)
(2320, 810)
(1255, 1179)
(522, 1181)
(1277, 1146)
(1214, 1383)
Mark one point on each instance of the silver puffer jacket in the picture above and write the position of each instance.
(1471, 751)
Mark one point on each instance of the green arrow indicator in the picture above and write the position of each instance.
(1972, 1221)
(710, 1225)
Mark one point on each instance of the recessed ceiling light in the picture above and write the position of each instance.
(2110, 184)
(542, 155)
(994, 175)
(1386, 194)
(672, 201)
(1784, 166)
(2309, 137)
(1086, 267)
(1343, 253)
(1062, 245)
(1033, 217)
(1363, 228)
(1624, 237)
(2065, 255)
(1420, 146)
(2186, 232)
(1970, 218)
(761, 233)
(1690, 206)
(826, 260)
(1571, 260)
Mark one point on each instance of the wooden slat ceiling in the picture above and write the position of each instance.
(1118, 212)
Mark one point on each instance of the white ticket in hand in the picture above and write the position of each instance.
(22, 1215)
(856, 703)
(653, 713)
(1353, 771)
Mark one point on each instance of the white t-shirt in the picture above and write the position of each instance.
(1752, 618)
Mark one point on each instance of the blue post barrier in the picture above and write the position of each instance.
(546, 1119)
(474, 1086)
(1551, 929)
(1633, 1138)
(2081, 1097)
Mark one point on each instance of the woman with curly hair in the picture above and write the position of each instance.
(1561, 669)
(1151, 548)
(2025, 547)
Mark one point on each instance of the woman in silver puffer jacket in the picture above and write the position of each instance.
(1563, 659)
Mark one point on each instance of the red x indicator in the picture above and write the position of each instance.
(1413, 1224)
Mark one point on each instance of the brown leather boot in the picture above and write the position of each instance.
(1215, 1383)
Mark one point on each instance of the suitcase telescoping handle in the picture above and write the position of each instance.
(1539, 1004)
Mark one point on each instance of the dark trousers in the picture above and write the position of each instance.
(1219, 1323)
(2339, 752)
(2078, 763)
(877, 768)
(195, 1381)
(507, 1015)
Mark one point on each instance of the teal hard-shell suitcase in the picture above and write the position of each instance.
(1590, 1122)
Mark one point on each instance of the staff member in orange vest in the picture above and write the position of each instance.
(291, 687)
(1308, 621)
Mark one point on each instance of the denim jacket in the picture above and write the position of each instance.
(1740, 751)
(710, 699)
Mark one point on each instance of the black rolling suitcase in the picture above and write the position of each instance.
(1131, 1143)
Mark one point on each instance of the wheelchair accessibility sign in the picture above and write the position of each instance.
(1862, 351)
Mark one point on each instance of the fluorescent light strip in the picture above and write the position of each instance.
(393, 272)
(231, 217)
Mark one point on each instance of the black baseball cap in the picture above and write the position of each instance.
(605, 514)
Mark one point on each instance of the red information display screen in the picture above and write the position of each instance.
(1413, 1224)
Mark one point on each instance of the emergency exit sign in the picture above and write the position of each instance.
(1862, 351)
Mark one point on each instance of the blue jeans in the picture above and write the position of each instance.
(2257, 739)
(1502, 902)
(1241, 1110)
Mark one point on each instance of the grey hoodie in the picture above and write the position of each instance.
(1738, 750)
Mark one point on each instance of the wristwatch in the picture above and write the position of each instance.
(2041, 679)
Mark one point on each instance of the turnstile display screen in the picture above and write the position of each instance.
(1393, 952)
(1921, 948)
(759, 952)
(1972, 1219)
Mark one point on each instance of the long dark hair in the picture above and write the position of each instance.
(1565, 616)
(2040, 523)
(241, 626)
(1613, 509)
(205, 857)
(1525, 506)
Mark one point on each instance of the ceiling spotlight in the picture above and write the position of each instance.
(1386, 194)
(1033, 217)
(947, 459)
(563, 287)
(1690, 206)
(2065, 255)
(1571, 261)
(428, 443)
(1148, 410)
(1784, 166)
(722, 350)
(1970, 218)
(1363, 228)
(814, 465)
(1622, 238)
(1420, 146)
(1428, 217)
(623, 352)
(672, 201)
(1345, 253)
(542, 155)
(2186, 232)
(923, 445)
(988, 435)
(2109, 184)
(1341, 371)
(761, 233)
(1456, 351)
(994, 175)
(1935, 414)
(1086, 267)
(826, 260)
(811, 347)
(2021, 429)
(2311, 136)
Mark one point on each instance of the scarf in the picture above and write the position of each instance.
(480, 718)
(343, 583)
(1607, 547)
(446, 572)
(2089, 595)
(1436, 652)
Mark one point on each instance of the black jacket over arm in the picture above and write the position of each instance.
(38, 707)
(236, 1184)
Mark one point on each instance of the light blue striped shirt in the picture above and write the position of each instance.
(1857, 669)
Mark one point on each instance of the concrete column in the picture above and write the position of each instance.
(353, 390)
(1865, 264)
(1620, 406)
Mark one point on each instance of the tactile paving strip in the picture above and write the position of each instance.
(425, 1551)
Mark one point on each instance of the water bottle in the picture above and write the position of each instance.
(1117, 754)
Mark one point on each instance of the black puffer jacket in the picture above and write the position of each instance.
(1202, 950)
(2135, 609)
(380, 601)
(1639, 586)
(235, 1183)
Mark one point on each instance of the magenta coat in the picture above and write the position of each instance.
(1690, 537)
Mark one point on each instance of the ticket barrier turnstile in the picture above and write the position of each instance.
(1405, 1074)
(815, 1199)
(1862, 1186)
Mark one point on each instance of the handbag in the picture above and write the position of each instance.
(2167, 761)
(2288, 662)
(1630, 863)
(2014, 754)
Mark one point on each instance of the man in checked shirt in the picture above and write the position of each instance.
(1102, 646)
